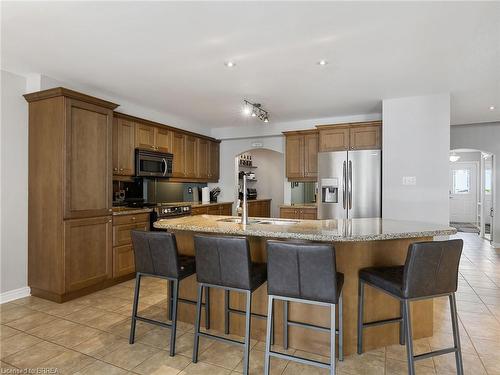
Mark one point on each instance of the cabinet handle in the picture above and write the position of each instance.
(109, 221)
(121, 169)
(115, 169)
(110, 210)
(133, 217)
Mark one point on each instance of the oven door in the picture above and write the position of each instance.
(153, 164)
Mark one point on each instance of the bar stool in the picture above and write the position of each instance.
(156, 255)
(304, 273)
(225, 263)
(430, 270)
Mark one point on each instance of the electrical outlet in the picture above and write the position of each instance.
(409, 180)
(190, 190)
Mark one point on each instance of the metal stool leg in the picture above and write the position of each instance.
(134, 308)
(408, 337)
(272, 323)
(170, 298)
(226, 311)
(267, 362)
(285, 324)
(332, 340)
(207, 307)
(361, 296)
(248, 320)
(456, 335)
(173, 331)
(341, 328)
(401, 325)
(197, 324)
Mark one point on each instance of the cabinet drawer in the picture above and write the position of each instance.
(199, 210)
(123, 261)
(121, 233)
(130, 219)
(289, 213)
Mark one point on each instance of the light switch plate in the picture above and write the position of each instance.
(409, 180)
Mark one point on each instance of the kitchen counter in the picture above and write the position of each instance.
(130, 210)
(358, 243)
(313, 230)
(299, 205)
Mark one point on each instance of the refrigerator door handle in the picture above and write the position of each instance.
(349, 186)
(344, 183)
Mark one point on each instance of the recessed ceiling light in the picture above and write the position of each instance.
(492, 107)
(230, 64)
(322, 62)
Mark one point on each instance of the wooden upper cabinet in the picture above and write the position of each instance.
(365, 136)
(213, 160)
(88, 252)
(144, 136)
(190, 156)
(311, 155)
(88, 160)
(178, 150)
(202, 157)
(123, 147)
(163, 140)
(295, 156)
(334, 138)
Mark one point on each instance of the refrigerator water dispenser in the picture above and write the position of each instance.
(330, 190)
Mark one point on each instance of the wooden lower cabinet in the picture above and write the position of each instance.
(259, 208)
(123, 252)
(302, 213)
(222, 209)
(87, 252)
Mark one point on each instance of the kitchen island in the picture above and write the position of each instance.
(359, 243)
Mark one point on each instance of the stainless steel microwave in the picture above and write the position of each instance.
(153, 163)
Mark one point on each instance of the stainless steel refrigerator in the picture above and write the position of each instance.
(350, 184)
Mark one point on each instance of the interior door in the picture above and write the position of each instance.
(463, 192)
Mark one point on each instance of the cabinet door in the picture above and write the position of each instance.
(289, 213)
(88, 160)
(335, 138)
(265, 209)
(365, 137)
(190, 156)
(213, 210)
(295, 156)
(202, 158)
(226, 209)
(163, 140)
(144, 136)
(125, 147)
(122, 233)
(308, 214)
(123, 261)
(115, 146)
(87, 252)
(213, 161)
(311, 155)
(179, 152)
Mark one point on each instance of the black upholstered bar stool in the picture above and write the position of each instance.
(304, 273)
(224, 262)
(430, 270)
(156, 256)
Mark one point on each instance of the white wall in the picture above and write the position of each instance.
(416, 143)
(14, 187)
(484, 137)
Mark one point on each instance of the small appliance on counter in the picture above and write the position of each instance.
(251, 193)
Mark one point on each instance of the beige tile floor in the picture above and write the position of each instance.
(89, 335)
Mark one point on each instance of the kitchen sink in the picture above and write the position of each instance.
(277, 222)
(237, 220)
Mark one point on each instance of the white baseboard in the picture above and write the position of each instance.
(12, 295)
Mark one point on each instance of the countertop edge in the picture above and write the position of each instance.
(304, 236)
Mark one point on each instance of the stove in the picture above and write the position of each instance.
(169, 211)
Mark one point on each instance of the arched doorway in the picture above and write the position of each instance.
(268, 175)
(471, 191)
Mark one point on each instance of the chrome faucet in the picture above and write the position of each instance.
(244, 208)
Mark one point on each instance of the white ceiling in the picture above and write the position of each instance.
(170, 56)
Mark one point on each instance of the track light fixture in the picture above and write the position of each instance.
(255, 110)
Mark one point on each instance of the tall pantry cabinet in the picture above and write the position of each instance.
(70, 193)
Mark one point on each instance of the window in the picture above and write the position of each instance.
(461, 181)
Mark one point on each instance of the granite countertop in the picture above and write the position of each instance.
(299, 205)
(313, 230)
(130, 210)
